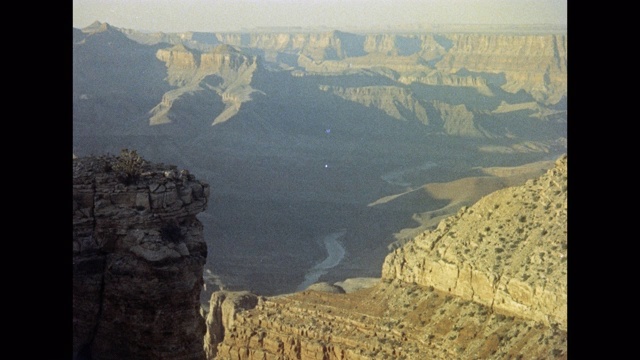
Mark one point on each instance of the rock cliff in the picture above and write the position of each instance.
(222, 73)
(397, 102)
(138, 257)
(201, 79)
(489, 282)
(508, 251)
(542, 72)
(536, 63)
(401, 104)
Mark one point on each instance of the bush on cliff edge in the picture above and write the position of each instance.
(128, 166)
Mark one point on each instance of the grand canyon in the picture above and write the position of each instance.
(338, 195)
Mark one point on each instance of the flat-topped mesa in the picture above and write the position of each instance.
(508, 251)
(138, 258)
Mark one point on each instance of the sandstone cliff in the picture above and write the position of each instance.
(508, 251)
(542, 72)
(535, 63)
(208, 78)
(532, 62)
(488, 283)
(397, 102)
(138, 257)
(401, 104)
(223, 72)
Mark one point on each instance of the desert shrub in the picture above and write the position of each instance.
(106, 162)
(557, 352)
(128, 166)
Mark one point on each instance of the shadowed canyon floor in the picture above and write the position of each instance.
(304, 134)
(366, 238)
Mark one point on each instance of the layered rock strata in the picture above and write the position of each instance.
(542, 72)
(488, 283)
(536, 63)
(392, 320)
(223, 307)
(223, 71)
(508, 251)
(138, 258)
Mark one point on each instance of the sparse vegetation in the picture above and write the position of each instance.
(557, 352)
(128, 166)
(299, 321)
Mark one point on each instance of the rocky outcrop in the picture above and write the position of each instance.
(392, 320)
(458, 120)
(187, 66)
(508, 251)
(223, 308)
(138, 258)
(223, 71)
(212, 73)
(399, 103)
(337, 45)
(439, 79)
(488, 283)
(534, 63)
(332, 45)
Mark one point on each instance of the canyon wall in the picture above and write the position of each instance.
(138, 257)
(222, 73)
(450, 83)
(489, 282)
(508, 251)
(535, 63)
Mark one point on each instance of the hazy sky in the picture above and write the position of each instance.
(230, 15)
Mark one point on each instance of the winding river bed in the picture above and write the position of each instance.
(335, 253)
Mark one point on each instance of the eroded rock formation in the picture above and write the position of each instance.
(542, 72)
(223, 307)
(452, 83)
(223, 71)
(508, 251)
(138, 257)
(536, 63)
(489, 282)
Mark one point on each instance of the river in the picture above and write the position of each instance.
(335, 253)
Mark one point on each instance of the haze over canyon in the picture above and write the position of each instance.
(324, 151)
